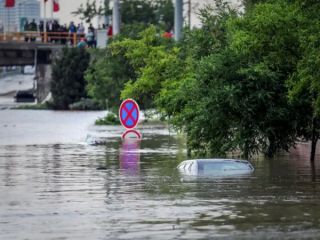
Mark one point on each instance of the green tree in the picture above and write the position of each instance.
(68, 84)
(91, 10)
(157, 12)
(239, 97)
(305, 82)
(109, 69)
(269, 49)
(248, 4)
(106, 77)
(150, 56)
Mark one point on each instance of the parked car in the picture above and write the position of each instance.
(215, 167)
(24, 96)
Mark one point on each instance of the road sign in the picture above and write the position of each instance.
(129, 113)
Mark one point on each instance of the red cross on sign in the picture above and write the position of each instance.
(129, 113)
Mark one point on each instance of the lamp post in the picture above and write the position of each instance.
(116, 17)
(178, 19)
(45, 21)
(189, 13)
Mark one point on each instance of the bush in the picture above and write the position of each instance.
(110, 119)
(85, 104)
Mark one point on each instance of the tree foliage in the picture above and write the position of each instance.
(106, 77)
(146, 12)
(90, 10)
(150, 56)
(68, 84)
(304, 84)
(243, 81)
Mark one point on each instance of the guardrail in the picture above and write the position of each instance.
(45, 37)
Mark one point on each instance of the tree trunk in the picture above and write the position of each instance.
(315, 137)
(313, 172)
(313, 149)
(271, 148)
(246, 151)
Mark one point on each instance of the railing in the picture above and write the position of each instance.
(47, 37)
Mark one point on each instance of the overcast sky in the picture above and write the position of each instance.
(68, 6)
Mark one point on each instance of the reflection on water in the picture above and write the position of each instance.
(133, 191)
(129, 156)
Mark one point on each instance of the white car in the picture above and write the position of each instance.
(215, 167)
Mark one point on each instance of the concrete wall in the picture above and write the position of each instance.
(43, 79)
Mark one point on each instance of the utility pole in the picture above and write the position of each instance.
(45, 21)
(106, 13)
(178, 20)
(116, 17)
(51, 9)
(189, 13)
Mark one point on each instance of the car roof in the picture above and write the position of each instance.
(216, 160)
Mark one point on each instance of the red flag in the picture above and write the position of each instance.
(9, 3)
(110, 32)
(56, 6)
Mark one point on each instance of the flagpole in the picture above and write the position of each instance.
(51, 10)
(7, 30)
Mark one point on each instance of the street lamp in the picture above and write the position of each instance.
(116, 17)
(178, 19)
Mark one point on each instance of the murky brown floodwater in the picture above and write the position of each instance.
(54, 186)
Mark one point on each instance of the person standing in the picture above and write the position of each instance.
(26, 29)
(80, 30)
(72, 31)
(33, 28)
(91, 39)
(91, 28)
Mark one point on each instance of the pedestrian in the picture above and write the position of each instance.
(33, 28)
(80, 31)
(110, 31)
(26, 29)
(72, 32)
(91, 39)
(82, 43)
(91, 28)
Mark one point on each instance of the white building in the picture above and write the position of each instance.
(13, 19)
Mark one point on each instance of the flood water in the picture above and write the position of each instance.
(55, 186)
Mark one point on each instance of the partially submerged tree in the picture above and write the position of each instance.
(305, 82)
(246, 82)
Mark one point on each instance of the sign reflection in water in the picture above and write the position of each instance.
(130, 156)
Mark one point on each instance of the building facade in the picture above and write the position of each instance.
(13, 19)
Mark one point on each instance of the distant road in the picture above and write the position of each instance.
(10, 84)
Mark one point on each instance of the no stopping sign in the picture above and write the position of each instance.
(129, 113)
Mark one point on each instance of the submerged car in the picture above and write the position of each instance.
(25, 96)
(215, 167)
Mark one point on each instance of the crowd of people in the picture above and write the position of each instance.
(64, 34)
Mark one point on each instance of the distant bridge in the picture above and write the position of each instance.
(40, 55)
(23, 53)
